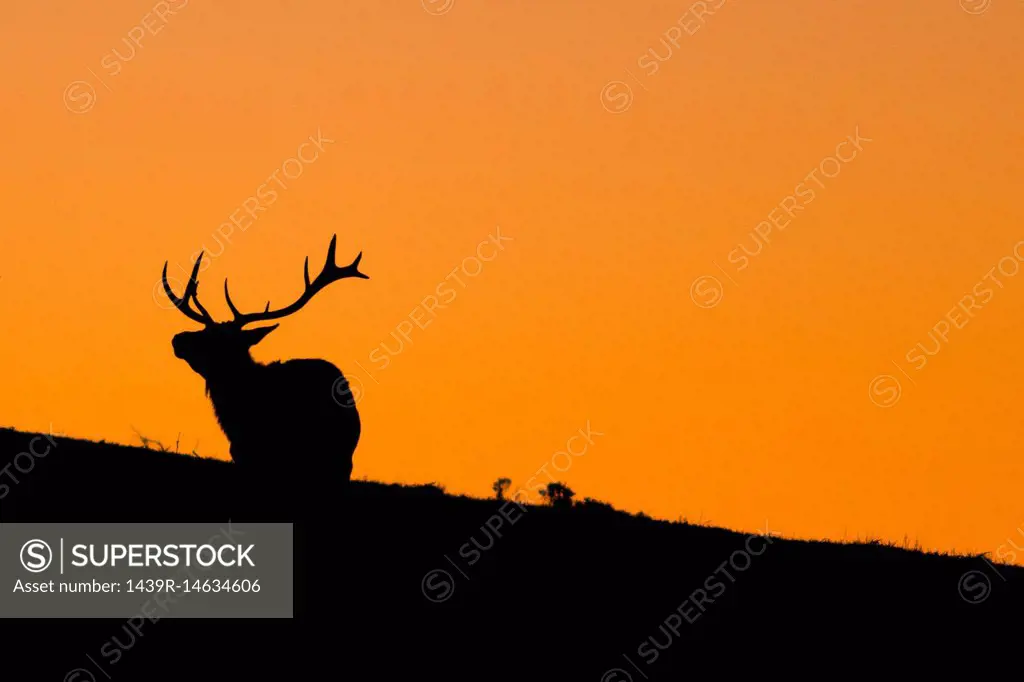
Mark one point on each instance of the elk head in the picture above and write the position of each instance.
(223, 346)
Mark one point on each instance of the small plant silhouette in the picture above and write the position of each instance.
(149, 444)
(558, 495)
(500, 488)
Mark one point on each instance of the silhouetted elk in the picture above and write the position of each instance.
(283, 416)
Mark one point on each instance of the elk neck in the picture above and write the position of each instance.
(230, 377)
(232, 388)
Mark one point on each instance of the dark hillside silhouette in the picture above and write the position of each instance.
(408, 581)
(273, 414)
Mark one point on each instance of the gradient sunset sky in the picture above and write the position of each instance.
(790, 390)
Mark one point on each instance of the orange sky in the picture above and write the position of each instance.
(450, 120)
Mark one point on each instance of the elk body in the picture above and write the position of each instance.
(273, 414)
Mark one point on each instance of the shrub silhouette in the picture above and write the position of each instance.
(558, 495)
(293, 409)
(500, 488)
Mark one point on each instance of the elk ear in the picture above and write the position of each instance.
(254, 336)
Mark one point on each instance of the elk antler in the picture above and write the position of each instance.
(330, 273)
(191, 292)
